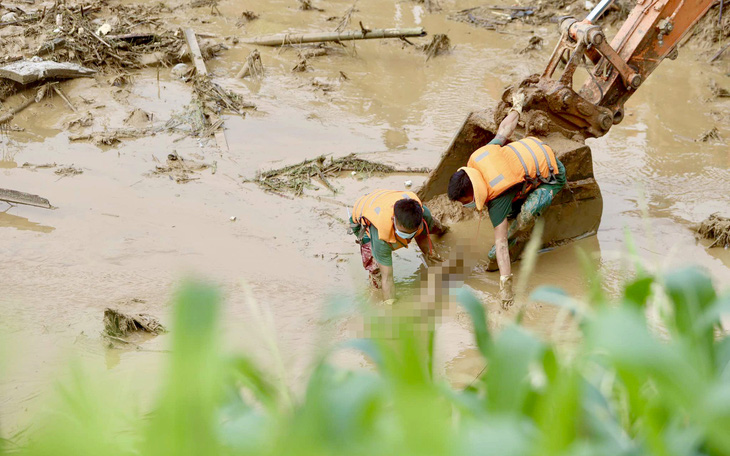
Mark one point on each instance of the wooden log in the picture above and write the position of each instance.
(16, 197)
(195, 53)
(283, 39)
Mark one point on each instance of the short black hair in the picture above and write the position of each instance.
(409, 213)
(460, 186)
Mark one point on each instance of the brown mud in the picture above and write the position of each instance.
(120, 231)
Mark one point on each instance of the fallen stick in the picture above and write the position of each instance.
(38, 97)
(139, 38)
(283, 39)
(16, 197)
(63, 97)
(719, 53)
(195, 53)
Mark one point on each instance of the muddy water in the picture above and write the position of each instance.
(121, 237)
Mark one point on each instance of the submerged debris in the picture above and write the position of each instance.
(252, 66)
(179, 169)
(440, 44)
(118, 324)
(215, 98)
(490, 17)
(246, 17)
(114, 136)
(717, 91)
(535, 44)
(717, 228)
(40, 94)
(712, 134)
(301, 66)
(306, 5)
(431, 5)
(296, 178)
(69, 171)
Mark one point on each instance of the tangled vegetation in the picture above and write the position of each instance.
(296, 178)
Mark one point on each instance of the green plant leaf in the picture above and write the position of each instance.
(638, 291)
(475, 310)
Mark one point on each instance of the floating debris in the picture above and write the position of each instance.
(296, 178)
(179, 169)
(118, 324)
(252, 66)
(712, 134)
(246, 17)
(431, 6)
(306, 5)
(717, 228)
(440, 44)
(284, 39)
(535, 44)
(487, 17)
(301, 66)
(69, 171)
(717, 91)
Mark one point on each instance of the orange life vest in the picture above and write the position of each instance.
(376, 209)
(494, 169)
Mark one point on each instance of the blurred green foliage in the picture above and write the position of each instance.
(627, 389)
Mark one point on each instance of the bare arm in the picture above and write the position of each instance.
(500, 241)
(508, 125)
(386, 273)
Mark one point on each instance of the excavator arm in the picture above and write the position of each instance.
(563, 117)
(651, 33)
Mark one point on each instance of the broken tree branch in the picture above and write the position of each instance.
(283, 39)
(38, 97)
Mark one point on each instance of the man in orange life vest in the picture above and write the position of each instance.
(387, 220)
(517, 179)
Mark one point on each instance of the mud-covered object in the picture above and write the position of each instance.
(717, 228)
(119, 324)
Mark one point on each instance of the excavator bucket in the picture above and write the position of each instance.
(575, 211)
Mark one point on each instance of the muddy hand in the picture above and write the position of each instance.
(505, 291)
(434, 258)
(518, 102)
